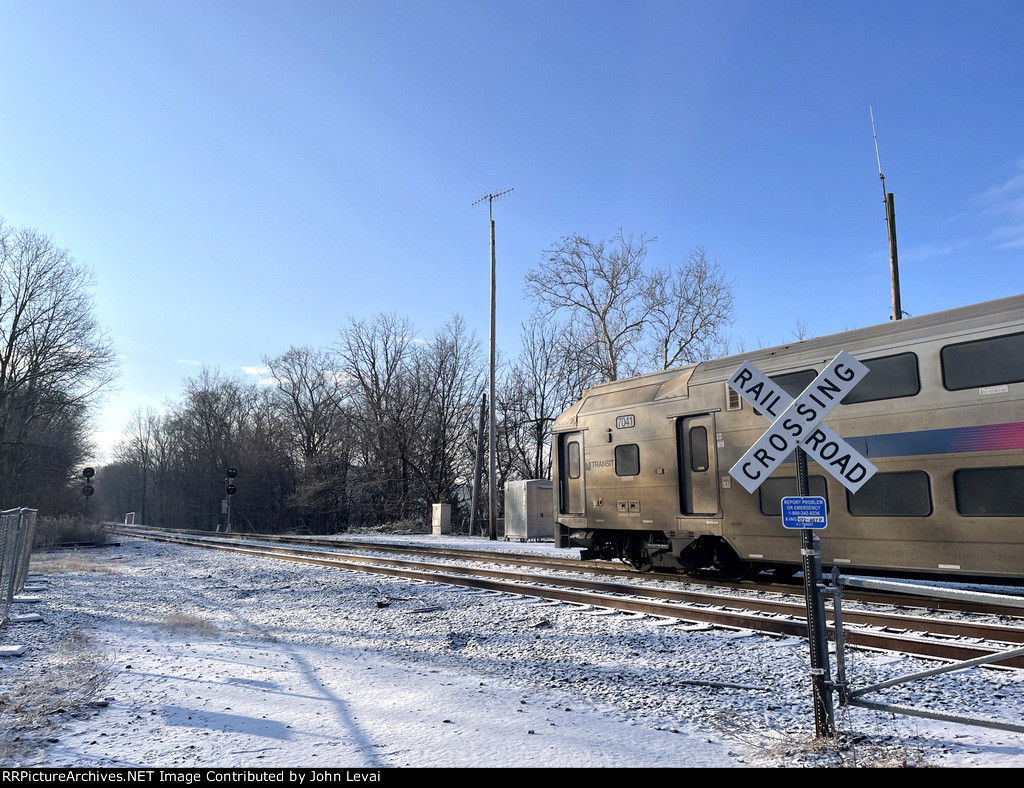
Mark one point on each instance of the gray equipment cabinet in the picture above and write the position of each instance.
(528, 510)
(441, 519)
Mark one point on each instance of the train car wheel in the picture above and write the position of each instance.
(634, 552)
(729, 565)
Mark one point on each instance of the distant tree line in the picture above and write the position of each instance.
(370, 430)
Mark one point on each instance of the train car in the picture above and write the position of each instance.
(641, 466)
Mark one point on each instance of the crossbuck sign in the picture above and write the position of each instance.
(797, 424)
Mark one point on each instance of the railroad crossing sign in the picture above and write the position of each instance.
(797, 423)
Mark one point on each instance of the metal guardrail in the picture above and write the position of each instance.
(849, 697)
(17, 531)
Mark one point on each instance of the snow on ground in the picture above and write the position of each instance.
(185, 657)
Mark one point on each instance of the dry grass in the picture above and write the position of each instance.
(398, 527)
(845, 750)
(32, 711)
(69, 563)
(183, 622)
(54, 531)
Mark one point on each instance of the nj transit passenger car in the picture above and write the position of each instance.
(641, 466)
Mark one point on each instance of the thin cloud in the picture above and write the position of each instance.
(1012, 185)
(919, 254)
(262, 375)
(1014, 236)
(1007, 202)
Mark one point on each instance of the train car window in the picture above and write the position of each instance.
(773, 490)
(890, 377)
(627, 460)
(983, 362)
(573, 452)
(899, 494)
(990, 492)
(699, 459)
(793, 383)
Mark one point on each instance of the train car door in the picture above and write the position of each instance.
(698, 464)
(570, 472)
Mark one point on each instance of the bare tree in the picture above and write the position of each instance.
(542, 382)
(54, 358)
(628, 318)
(312, 395)
(266, 472)
(136, 451)
(450, 368)
(607, 293)
(378, 355)
(692, 307)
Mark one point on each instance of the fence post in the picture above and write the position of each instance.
(13, 564)
(27, 536)
(8, 538)
(837, 618)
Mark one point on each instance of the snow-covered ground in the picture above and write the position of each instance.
(153, 655)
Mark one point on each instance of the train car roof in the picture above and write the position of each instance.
(884, 336)
(893, 335)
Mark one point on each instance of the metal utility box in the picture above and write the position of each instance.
(529, 510)
(442, 519)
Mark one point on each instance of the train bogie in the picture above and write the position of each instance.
(642, 466)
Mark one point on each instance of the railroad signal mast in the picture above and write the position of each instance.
(88, 489)
(229, 490)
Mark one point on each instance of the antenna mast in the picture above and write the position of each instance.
(492, 499)
(890, 222)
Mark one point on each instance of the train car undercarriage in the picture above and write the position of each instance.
(654, 551)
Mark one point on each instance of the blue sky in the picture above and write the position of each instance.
(246, 176)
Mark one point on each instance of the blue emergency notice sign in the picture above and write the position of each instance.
(804, 512)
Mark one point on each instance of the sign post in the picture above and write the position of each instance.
(814, 601)
(797, 430)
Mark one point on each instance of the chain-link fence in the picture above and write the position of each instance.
(17, 531)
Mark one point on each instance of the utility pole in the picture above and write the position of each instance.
(890, 223)
(478, 466)
(492, 502)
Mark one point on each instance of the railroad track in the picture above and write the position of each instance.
(761, 611)
(606, 569)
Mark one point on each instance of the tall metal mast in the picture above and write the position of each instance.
(492, 501)
(890, 222)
